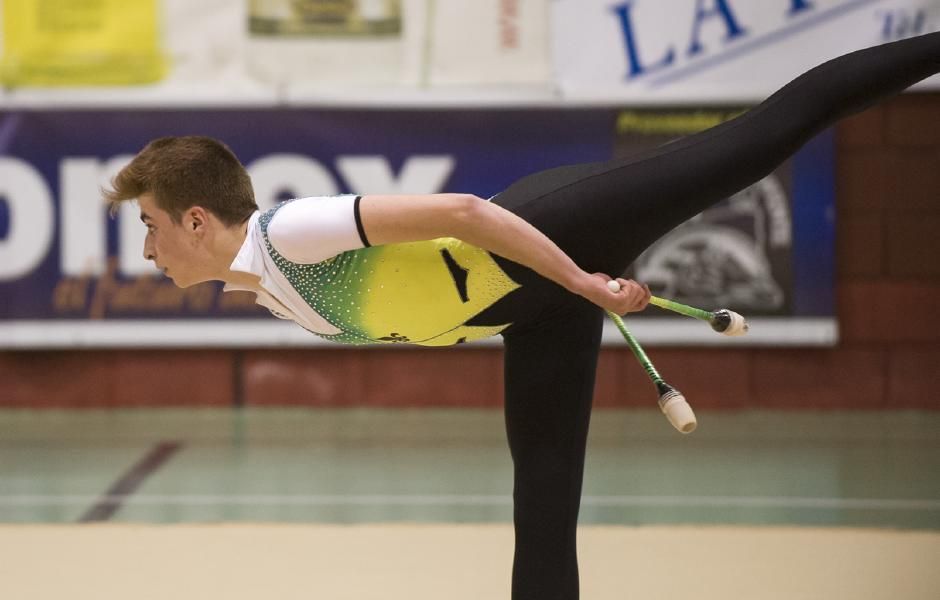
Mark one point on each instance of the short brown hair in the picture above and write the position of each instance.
(182, 172)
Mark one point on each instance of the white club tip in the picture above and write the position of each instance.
(613, 285)
(678, 411)
(738, 325)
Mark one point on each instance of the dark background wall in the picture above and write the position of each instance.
(888, 289)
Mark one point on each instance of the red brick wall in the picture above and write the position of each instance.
(888, 284)
(888, 251)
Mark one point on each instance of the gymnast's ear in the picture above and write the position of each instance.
(197, 219)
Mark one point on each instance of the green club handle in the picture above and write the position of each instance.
(682, 309)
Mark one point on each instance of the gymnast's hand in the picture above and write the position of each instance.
(631, 297)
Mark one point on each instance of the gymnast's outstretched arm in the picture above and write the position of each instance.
(395, 219)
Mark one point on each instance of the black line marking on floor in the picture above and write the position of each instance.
(128, 483)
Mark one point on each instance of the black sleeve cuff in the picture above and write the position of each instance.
(362, 232)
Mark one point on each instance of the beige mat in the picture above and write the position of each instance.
(453, 562)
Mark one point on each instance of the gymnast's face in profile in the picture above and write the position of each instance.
(181, 250)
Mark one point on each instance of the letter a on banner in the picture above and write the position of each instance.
(721, 9)
(62, 43)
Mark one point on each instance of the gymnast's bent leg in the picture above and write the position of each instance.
(605, 214)
(549, 384)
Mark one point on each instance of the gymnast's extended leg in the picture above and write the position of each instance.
(605, 214)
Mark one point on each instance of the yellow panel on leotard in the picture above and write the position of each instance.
(411, 295)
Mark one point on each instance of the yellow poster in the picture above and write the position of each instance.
(81, 42)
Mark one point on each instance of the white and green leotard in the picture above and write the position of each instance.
(318, 269)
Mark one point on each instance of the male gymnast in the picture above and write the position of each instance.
(530, 265)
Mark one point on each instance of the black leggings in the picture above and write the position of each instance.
(604, 215)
